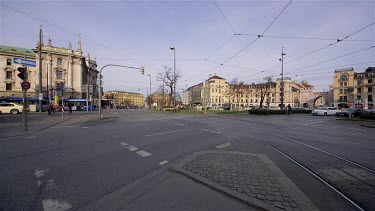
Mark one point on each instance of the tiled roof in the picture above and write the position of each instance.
(15, 50)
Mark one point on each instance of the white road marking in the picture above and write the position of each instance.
(124, 144)
(85, 127)
(31, 137)
(215, 132)
(40, 172)
(55, 205)
(312, 123)
(163, 162)
(64, 126)
(181, 125)
(221, 146)
(50, 184)
(205, 130)
(131, 148)
(143, 153)
(175, 131)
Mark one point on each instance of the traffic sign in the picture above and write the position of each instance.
(25, 85)
(40, 96)
(26, 62)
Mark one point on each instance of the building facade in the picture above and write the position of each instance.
(61, 67)
(122, 98)
(354, 89)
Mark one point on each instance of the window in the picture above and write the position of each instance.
(341, 91)
(369, 89)
(345, 91)
(9, 61)
(343, 84)
(343, 77)
(369, 98)
(359, 90)
(8, 86)
(9, 75)
(369, 81)
(59, 62)
(359, 82)
(358, 97)
(59, 74)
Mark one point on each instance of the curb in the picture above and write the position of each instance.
(368, 126)
(300, 198)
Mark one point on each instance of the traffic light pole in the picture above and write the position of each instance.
(24, 107)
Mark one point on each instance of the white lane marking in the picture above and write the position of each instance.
(312, 123)
(163, 162)
(85, 127)
(124, 144)
(181, 125)
(31, 137)
(55, 205)
(50, 184)
(40, 172)
(143, 153)
(175, 131)
(215, 132)
(64, 126)
(221, 146)
(131, 148)
(205, 130)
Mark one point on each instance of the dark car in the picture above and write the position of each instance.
(355, 112)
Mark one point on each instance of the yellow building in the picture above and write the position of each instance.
(352, 88)
(125, 98)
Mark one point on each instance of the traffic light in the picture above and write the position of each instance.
(142, 70)
(23, 73)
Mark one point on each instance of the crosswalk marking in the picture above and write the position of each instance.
(143, 153)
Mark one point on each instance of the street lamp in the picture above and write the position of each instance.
(141, 69)
(282, 79)
(174, 78)
(149, 100)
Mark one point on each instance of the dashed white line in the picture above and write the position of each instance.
(85, 127)
(221, 146)
(131, 148)
(312, 123)
(215, 132)
(124, 144)
(181, 125)
(205, 130)
(64, 126)
(163, 162)
(143, 153)
(31, 137)
(175, 131)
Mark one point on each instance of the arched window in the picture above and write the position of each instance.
(343, 77)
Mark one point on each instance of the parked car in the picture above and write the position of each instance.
(354, 112)
(325, 111)
(12, 108)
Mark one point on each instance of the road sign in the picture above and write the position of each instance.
(26, 62)
(25, 85)
(40, 96)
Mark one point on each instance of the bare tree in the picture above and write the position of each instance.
(169, 79)
(264, 89)
(234, 81)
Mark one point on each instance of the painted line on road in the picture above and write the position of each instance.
(163, 162)
(64, 126)
(205, 130)
(312, 123)
(50, 204)
(215, 132)
(181, 125)
(221, 146)
(40, 172)
(143, 153)
(175, 131)
(31, 137)
(85, 127)
(124, 144)
(131, 148)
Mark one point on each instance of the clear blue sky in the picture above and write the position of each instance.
(139, 33)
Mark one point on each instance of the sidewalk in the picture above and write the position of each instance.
(210, 180)
(41, 121)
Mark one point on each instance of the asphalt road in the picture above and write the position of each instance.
(71, 165)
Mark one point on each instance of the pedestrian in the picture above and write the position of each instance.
(289, 109)
(70, 108)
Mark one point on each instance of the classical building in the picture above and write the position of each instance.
(122, 98)
(159, 100)
(60, 67)
(354, 88)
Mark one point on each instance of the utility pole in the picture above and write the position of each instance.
(40, 69)
(150, 93)
(282, 79)
(174, 78)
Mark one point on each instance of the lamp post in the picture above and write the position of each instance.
(149, 100)
(174, 78)
(142, 69)
(282, 79)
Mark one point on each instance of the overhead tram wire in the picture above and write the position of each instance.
(246, 45)
(230, 25)
(324, 47)
(245, 68)
(304, 38)
(220, 46)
